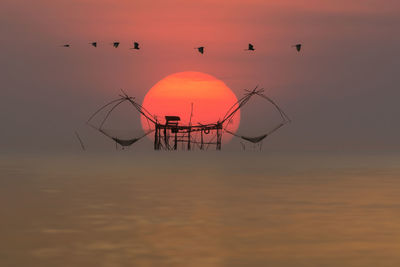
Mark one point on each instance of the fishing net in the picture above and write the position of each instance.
(120, 120)
(260, 117)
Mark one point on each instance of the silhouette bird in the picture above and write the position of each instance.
(66, 45)
(298, 47)
(200, 49)
(251, 48)
(135, 46)
(94, 44)
(115, 44)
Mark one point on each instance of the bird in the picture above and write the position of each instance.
(298, 47)
(115, 44)
(135, 46)
(66, 45)
(200, 49)
(251, 48)
(94, 44)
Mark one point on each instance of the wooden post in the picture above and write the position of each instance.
(156, 147)
(166, 138)
(219, 136)
(201, 144)
(190, 129)
(176, 141)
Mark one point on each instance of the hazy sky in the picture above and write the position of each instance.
(341, 92)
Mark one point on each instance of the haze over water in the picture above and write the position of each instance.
(233, 208)
(200, 209)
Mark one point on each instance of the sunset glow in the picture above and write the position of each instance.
(173, 96)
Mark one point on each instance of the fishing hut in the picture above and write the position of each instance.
(171, 135)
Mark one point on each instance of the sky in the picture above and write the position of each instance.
(341, 91)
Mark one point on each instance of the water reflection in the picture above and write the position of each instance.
(200, 210)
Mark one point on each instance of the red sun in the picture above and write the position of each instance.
(174, 95)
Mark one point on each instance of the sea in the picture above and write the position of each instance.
(206, 208)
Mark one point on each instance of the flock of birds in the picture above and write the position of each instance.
(200, 49)
(114, 44)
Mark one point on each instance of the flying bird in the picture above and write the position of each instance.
(66, 45)
(200, 49)
(298, 47)
(251, 48)
(115, 44)
(135, 46)
(94, 44)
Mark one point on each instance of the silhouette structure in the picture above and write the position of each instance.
(298, 47)
(115, 44)
(250, 48)
(80, 141)
(135, 46)
(169, 134)
(200, 49)
(94, 44)
(66, 45)
(260, 92)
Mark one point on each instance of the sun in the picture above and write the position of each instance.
(175, 94)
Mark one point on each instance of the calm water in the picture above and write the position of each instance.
(200, 209)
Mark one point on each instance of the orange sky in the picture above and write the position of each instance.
(349, 57)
